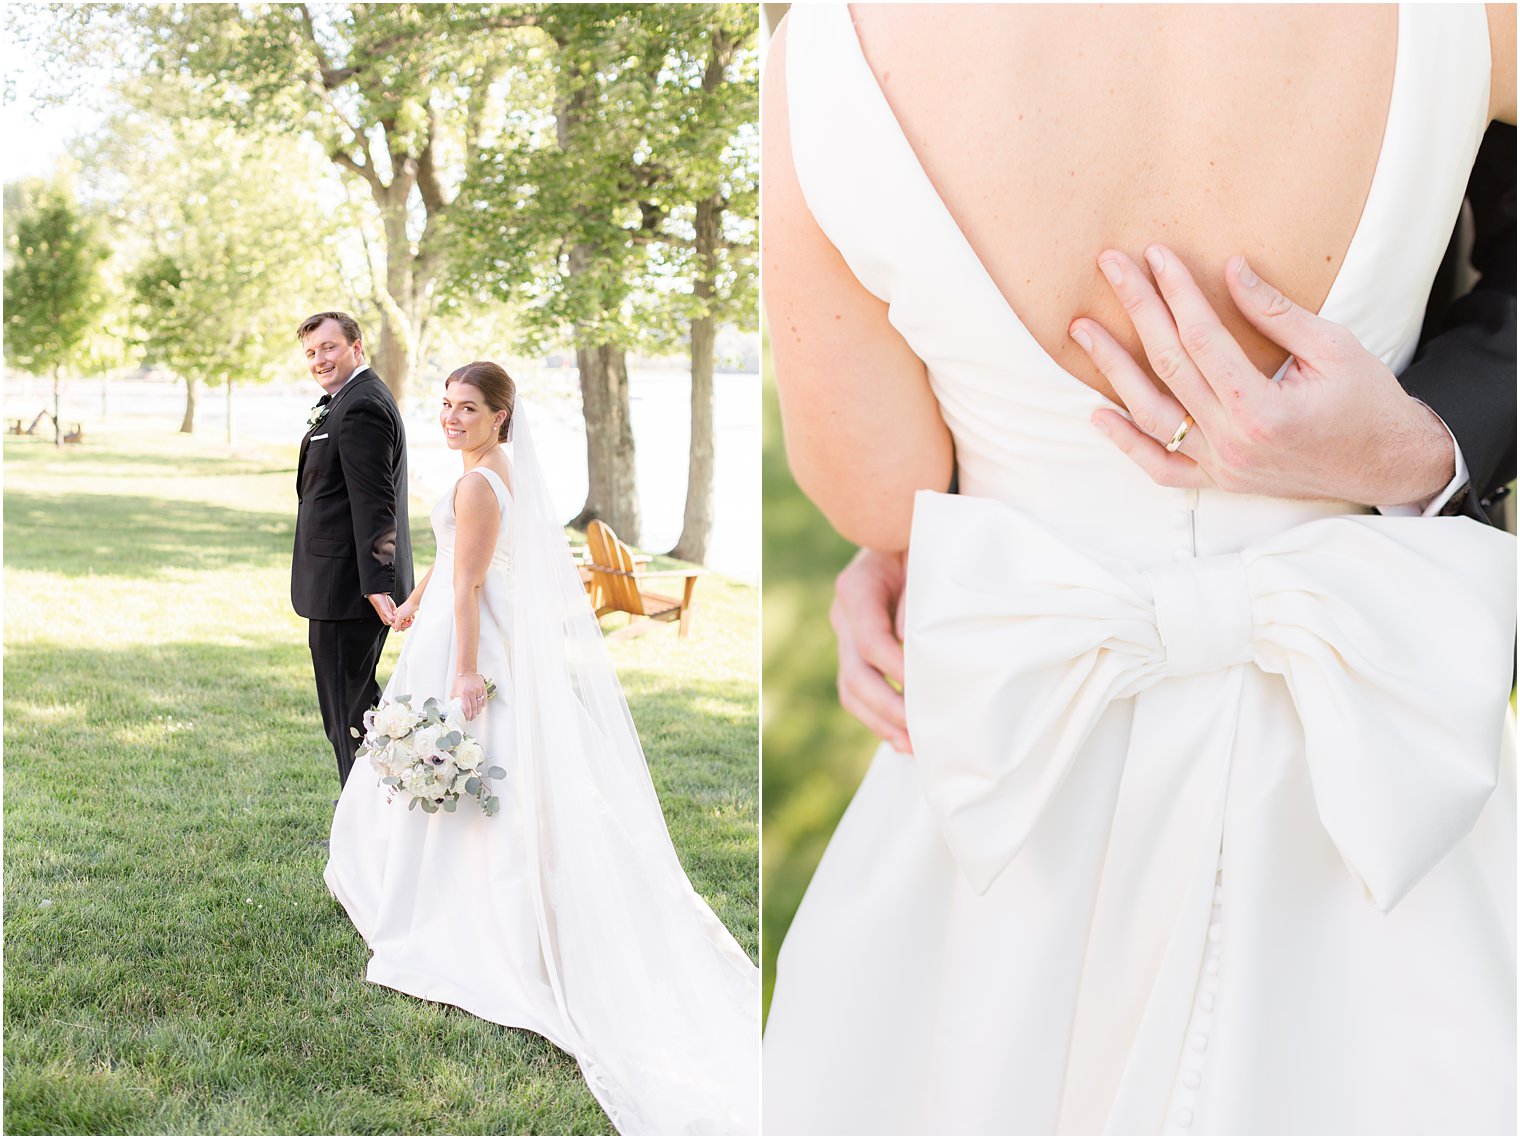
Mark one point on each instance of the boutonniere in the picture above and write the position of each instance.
(318, 413)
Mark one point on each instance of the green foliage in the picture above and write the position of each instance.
(53, 288)
(582, 208)
(173, 961)
(233, 240)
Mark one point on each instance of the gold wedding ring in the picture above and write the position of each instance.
(1180, 434)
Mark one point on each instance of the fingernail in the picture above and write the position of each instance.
(1243, 271)
(1155, 259)
(1112, 271)
(1080, 336)
(1101, 424)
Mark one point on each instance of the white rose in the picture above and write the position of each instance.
(425, 739)
(468, 755)
(394, 720)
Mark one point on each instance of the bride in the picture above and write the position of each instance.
(567, 911)
(1209, 821)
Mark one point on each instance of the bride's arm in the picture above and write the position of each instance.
(406, 612)
(863, 430)
(477, 516)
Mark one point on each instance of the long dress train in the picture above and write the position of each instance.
(567, 913)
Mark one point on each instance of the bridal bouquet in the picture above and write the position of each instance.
(428, 755)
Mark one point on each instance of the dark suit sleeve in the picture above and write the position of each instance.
(1465, 369)
(367, 442)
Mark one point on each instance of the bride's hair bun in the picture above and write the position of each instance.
(498, 388)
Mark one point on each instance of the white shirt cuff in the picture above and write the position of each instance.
(1434, 506)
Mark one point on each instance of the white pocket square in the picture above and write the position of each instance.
(314, 438)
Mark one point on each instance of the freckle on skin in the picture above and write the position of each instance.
(838, 316)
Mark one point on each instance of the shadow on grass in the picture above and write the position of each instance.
(137, 536)
(174, 963)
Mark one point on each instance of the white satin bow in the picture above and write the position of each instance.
(1394, 636)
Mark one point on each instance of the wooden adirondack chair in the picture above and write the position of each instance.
(617, 587)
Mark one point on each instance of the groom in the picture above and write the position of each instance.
(353, 550)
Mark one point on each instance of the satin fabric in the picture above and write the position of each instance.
(1210, 825)
(568, 912)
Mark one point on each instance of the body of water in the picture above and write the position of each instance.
(659, 401)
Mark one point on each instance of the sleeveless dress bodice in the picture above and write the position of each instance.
(445, 527)
(1019, 421)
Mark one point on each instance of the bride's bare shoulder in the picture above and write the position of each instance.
(861, 426)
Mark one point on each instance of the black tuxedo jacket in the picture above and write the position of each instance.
(352, 534)
(1464, 368)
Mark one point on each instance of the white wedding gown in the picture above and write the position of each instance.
(566, 913)
(1210, 825)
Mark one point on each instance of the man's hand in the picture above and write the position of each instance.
(384, 606)
(1336, 426)
(405, 614)
(867, 619)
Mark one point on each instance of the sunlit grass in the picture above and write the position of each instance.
(173, 961)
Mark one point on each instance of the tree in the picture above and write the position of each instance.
(397, 95)
(52, 288)
(721, 177)
(577, 207)
(236, 248)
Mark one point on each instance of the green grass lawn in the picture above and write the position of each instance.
(173, 961)
(814, 753)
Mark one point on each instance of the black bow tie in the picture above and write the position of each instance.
(324, 401)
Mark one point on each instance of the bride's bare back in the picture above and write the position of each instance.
(1052, 133)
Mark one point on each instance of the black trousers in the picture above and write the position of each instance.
(344, 655)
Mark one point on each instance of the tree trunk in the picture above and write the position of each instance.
(696, 525)
(612, 486)
(57, 420)
(396, 347)
(187, 424)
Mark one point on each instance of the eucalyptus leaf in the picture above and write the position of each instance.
(472, 785)
(429, 806)
(493, 804)
(412, 806)
(450, 805)
(495, 773)
(353, 731)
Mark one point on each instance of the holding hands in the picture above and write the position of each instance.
(1336, 426)
(405, 614)
(384, 605)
